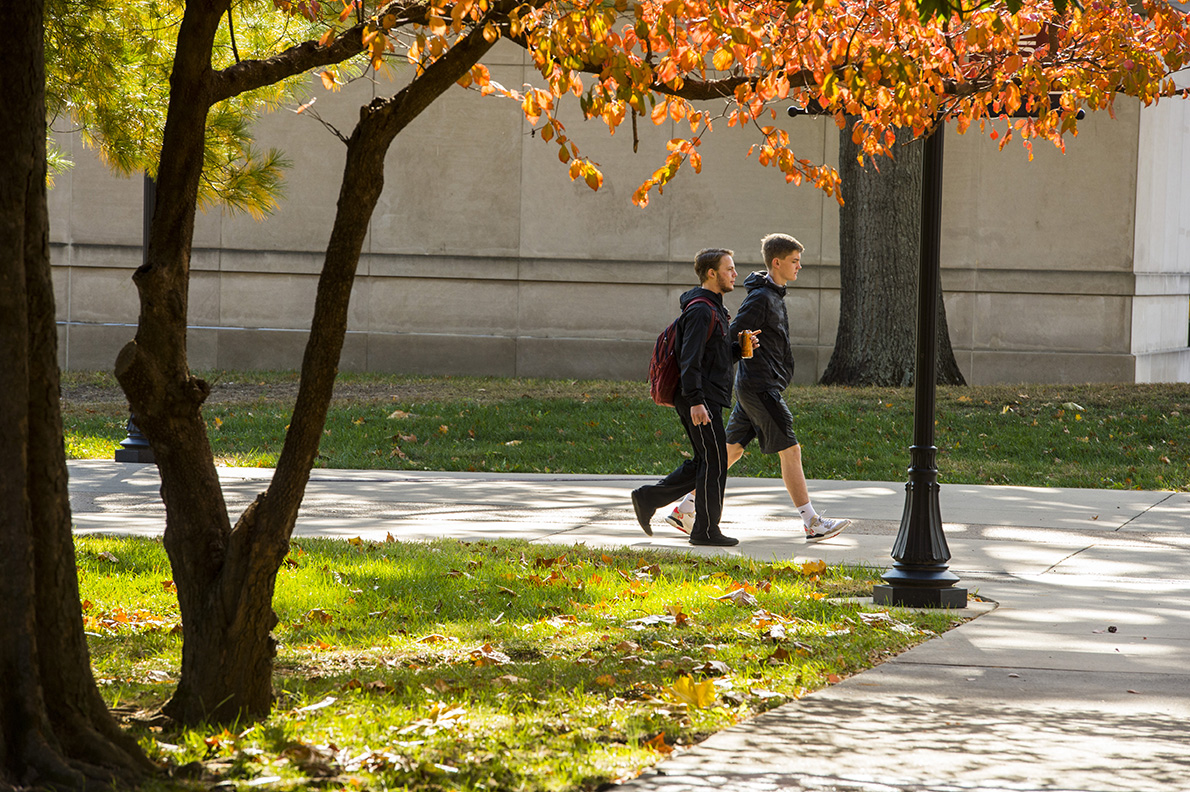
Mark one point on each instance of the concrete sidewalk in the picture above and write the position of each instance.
(1077, 680)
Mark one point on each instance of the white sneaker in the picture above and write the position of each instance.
(678, 519)
(824, 528)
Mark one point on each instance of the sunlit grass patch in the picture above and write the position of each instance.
(498, 665)
(1109, 436)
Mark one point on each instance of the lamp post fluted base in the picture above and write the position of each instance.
(135, 447)
(919, 577)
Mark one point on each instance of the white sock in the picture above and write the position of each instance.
(808, 513)
(687, 504)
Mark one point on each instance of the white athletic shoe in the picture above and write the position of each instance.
(683, 522)
(824, 528)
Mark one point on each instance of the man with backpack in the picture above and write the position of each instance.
(760, 411)
(705, 356)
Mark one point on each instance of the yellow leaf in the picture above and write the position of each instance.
(695, 694)
(813, 566)
(355, 540)
(490, 33)
(319, 615)
(606, 680)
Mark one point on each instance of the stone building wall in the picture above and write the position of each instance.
(484, 258)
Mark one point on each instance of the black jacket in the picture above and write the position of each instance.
(764, 309)
(705, 363)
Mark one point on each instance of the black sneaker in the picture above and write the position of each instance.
(714, 540)
(643, 515)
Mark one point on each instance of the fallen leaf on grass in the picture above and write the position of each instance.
(694, 694)
(315, 760)
(326, 702)
(318, 615)
(435, 638)
(442, 716)
(813, 566)
(714, 668)
(508, 679)
(659, 745)
(883, 618)
(650, 621)
(738, 597)
(487, 655)
(765, 694)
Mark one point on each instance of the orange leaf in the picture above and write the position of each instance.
(594, 178)
(659, 745)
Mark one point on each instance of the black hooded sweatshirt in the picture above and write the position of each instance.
(705, 362)
(764, 309)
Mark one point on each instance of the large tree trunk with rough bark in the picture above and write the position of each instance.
(879, 240)
(55, 730)
(225, 576)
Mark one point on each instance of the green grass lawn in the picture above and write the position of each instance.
(492, 666)
(511, 666)
(1103, 436)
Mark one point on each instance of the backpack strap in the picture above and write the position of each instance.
(714, 313)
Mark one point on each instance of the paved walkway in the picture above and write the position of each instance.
(1078, 679)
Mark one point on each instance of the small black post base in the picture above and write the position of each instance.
(135, 447)
(918, 597)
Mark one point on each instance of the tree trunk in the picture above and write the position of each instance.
(226, 577)
(55, 729)
(879, 240)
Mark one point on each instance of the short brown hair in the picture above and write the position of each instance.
(707, 260)
(775, 246)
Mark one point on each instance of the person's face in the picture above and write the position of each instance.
(785, 269)
(722, 278)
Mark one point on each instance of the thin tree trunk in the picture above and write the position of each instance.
(55, 729)
(226, 577)
(879, 238)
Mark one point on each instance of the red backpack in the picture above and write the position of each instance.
(663, 366)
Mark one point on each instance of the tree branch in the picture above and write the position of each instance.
(256, 73)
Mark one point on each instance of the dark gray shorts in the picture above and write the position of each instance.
(762, 415)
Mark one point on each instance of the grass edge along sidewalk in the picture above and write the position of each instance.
(1108, 436)
(492, 665)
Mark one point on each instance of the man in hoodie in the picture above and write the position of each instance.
(705, 356)
(760, 410)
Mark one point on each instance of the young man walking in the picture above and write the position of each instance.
(760, 410)
(705, 355)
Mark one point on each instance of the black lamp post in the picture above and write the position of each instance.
(135, 447)
(919, 578)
